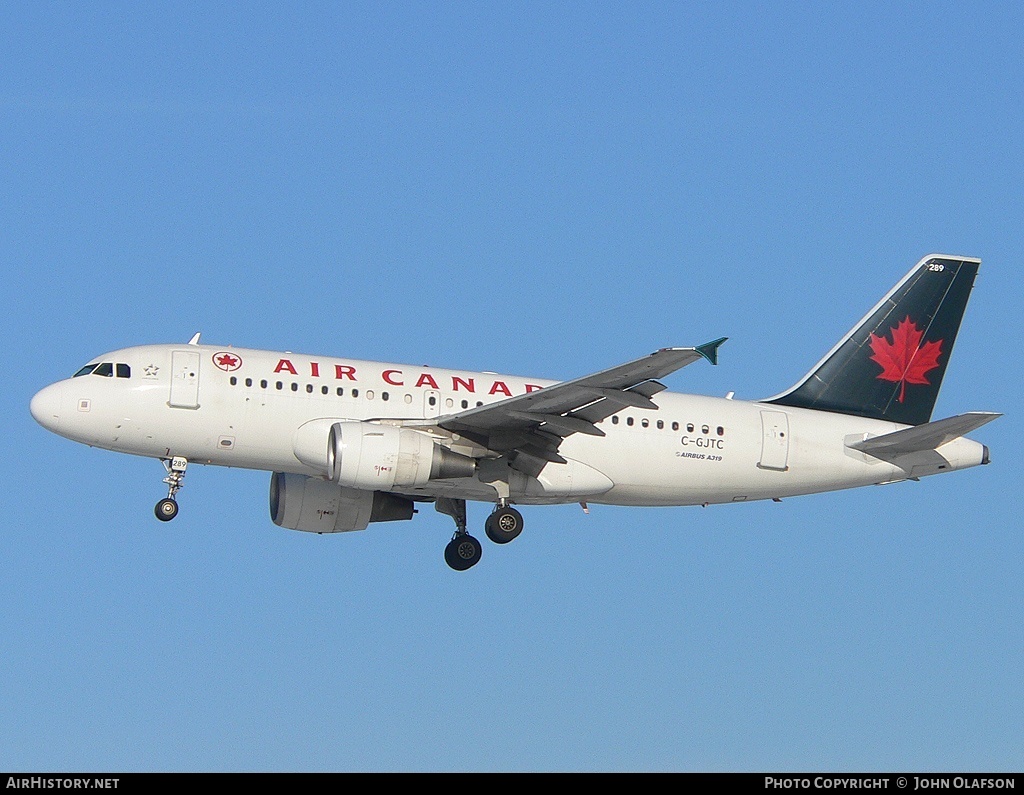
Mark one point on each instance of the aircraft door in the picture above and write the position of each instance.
(431, 403)
(774, 440)
(184, 380)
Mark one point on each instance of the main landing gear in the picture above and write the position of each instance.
(464, 551)
(504, 524)
(167, 508)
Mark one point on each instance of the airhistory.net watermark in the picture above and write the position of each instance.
(59, 782)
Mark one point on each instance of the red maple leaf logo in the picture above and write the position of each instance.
(905, 360)
(226, 361)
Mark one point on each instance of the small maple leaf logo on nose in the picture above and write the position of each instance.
(905, 360)
(227, 361)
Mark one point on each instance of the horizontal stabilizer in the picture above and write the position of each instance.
(928, 436)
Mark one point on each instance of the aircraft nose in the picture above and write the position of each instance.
(46, 406)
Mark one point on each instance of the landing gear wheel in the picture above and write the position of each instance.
(504, 525)
(166, 510)
(462, 552)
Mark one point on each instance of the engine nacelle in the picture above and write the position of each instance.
(364, 455)
(319, 506)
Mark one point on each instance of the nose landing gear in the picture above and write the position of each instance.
(167, 508)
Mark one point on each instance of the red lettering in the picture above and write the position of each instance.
(533, 387)
(386, 375)
(468, 384)
(427, 379)
(284, 364)
(345, 371)
(500, 386)
(314, 369)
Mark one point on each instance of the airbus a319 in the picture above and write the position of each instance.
(353, 442)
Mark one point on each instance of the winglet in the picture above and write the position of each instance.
(195, 338)
(709, 350)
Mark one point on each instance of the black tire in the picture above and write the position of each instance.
(504, 525)
(462, 552)
(166, 509)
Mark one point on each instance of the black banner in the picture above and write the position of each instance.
(756, 782)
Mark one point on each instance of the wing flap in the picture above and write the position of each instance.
(561, 425)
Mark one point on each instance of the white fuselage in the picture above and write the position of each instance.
(244, 408)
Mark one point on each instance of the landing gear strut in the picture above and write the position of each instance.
(463, 551)
(167, 508)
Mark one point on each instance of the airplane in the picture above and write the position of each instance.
(353, 442)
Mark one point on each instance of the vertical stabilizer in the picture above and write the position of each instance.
(890, 366)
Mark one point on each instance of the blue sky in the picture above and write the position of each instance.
(536, 188)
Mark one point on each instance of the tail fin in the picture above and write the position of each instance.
(890, 366)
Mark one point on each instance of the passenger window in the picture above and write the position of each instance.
(661, 424)
(465, 404)
(615, 419)
(384, 396)
(309, 389)
(408, 398)
(645, 422)
(280, 385)
(689, 427)
(355, 393)
(85, 370)
(324, 390)
(340, 391)
(248, 382)
(675, 426)
(721, 431)
(233, 381)
(704, 429)
(629, 421)
(295, 387)
(124, 371)
(105, 369)
(263, 383)
(369, 394)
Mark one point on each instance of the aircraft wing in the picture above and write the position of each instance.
(533, 425)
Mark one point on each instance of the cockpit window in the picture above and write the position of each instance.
(105, 369)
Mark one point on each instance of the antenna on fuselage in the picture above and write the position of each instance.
(195, 338)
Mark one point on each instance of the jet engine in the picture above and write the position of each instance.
(364, 455)
(314, 505)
